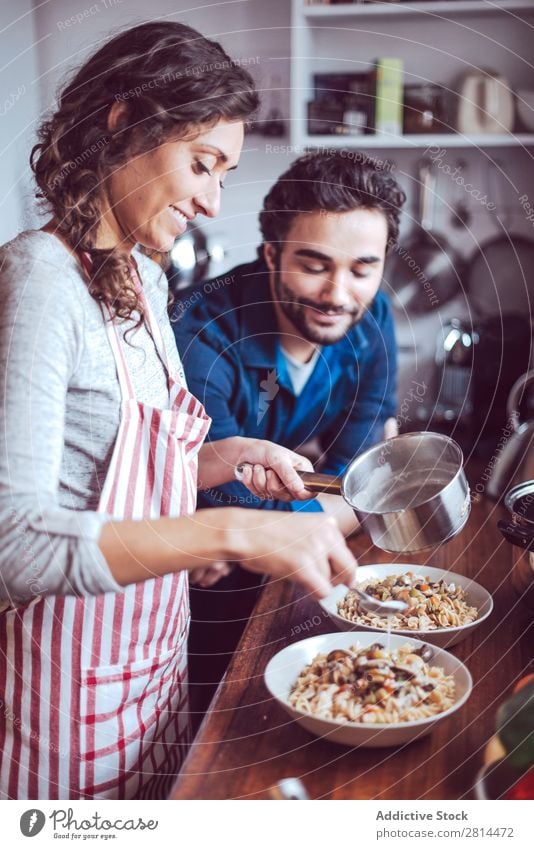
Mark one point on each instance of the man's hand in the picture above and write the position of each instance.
(269, 471)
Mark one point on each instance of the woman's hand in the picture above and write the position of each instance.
(307, 548)
(269, 471)
(207, 576)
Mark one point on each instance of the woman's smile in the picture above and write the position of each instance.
(179, 219)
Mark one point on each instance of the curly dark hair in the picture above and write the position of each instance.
(171, 79)
(335, 181)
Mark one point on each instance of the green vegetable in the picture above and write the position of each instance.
(515, 727)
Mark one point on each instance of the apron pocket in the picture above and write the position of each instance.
(124, 710)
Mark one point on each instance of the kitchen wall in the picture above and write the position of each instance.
(45, 46)
(252, 30)
(44, 41)
(19, 107)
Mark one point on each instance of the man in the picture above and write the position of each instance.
(298, 346)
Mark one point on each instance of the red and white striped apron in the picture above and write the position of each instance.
(94, 689)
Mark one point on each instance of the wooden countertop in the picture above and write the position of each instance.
(247, 742)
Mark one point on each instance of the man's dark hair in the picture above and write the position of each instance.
(334, 182)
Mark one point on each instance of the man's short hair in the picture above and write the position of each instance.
(333, 182)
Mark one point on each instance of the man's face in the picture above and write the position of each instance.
(328, 271)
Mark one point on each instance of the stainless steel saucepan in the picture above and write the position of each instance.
(409, 493)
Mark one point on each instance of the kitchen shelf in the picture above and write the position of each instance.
(446, 140)
(421, 34)
(443, 8)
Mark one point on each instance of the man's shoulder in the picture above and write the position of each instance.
(208, 318)
(218, 299)
(374, 321)
(380, 309)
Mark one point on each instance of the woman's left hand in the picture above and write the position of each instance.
(269, 471)
(207, 576)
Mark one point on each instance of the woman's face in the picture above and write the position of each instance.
(153, 196)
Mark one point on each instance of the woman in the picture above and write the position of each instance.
(101, 439)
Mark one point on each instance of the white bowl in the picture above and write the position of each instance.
(525, 108)
(285, 667)
(476, 596)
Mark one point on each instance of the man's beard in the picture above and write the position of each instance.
(293, 308)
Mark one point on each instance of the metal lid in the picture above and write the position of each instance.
(520, 502)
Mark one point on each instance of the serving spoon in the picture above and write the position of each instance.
(381, 608)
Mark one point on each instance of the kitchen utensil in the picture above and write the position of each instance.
(485, 103)
(520, 502)
(284, 668)
(519, 531)
(515, 460)
(461, 217)
(426, 272)
(500, 274)
(189, 260)
(381, 608)
(454, 359)
(525, 108)
(409, 492)
(501, 355)
(476, 596)
(289, 789)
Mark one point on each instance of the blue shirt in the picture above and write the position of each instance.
(227, 335)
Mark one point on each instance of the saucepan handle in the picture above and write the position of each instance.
(313, 480)
(316, 482)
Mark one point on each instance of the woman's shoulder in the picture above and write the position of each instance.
(151, 272)
(37, 273)
(34, 254)
(31, 245)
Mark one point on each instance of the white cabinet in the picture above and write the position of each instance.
(438, 42)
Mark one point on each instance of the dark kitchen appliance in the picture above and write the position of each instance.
(501, 356)
(426, 271)
(519, 531)
(500, 276)
(514, 459)
(455, 353)
(476, 366)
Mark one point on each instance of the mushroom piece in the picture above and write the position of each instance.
(337, 654)
(426, 653)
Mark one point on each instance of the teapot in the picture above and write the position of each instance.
(515, 459)
(485, 105)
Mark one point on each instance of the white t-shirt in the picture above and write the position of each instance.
(300, 373)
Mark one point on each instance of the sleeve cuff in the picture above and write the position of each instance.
(312, 505)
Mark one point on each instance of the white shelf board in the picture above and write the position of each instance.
(445, 8)
(418, 141)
